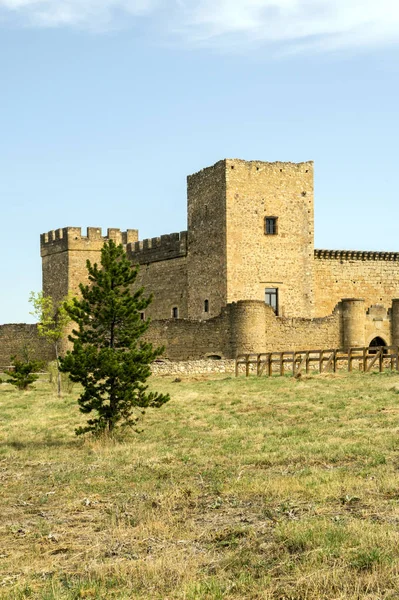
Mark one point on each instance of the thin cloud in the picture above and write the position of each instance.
(86, 14)
(294, 25)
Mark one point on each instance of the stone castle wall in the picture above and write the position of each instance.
(243, 327)
(163, 264)
(373, 276)
(206, 259)
(256, 261)
(19, 337)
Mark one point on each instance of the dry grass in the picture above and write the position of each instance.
(237, 489)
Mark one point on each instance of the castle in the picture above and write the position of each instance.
(245, 276)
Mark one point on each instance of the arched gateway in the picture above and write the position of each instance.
(376, 343)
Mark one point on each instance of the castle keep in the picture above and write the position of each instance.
(245, 276)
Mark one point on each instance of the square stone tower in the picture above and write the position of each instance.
(64, 254)
(251, 237)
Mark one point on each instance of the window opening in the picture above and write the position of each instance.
(175, 312)
(206, 306)
(271, 298)
(270, 225)
(142, 316)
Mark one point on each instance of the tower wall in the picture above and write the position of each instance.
(248, 327)
(353, 322)
(395, 322)
(64, 254)
(255, 260)
(206, 257)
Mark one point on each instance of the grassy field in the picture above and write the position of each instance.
(237, 489)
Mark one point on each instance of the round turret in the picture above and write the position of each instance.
(353, 322)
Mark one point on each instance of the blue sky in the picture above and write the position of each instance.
(107, 105)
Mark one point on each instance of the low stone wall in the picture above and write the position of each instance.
(242, 327)
(16, 338)
(193, 367)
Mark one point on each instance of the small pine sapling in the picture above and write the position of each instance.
(23, 373)
(108, 358)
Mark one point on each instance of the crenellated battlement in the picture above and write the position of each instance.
(71, 238)
(356, 255)
(168, 246)
(172, 245)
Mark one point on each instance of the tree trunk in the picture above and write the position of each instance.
(58, 371)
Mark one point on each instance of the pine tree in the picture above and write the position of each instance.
(108, 357)
(23, 373)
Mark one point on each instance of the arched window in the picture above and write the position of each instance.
(175, 312)
(206, 306)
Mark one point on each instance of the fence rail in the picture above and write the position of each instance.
(363, 359)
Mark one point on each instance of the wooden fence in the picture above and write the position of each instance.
(324, 361)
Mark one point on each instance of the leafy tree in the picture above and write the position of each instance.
(53, 320)
(23, 373)
(108, 357)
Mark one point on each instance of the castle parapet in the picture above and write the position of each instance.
(355, 255)
(173, 245)
(71, 238)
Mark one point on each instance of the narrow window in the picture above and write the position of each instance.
(175, 312)
(206, 306)
(142, 316)
(271, 298)
(270, 225)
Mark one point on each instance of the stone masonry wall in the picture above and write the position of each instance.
(305, 334)
(227, 336)
(186, 339)
(378, 323)
(256, 261)
(17, 336)
(206, 259)
(193, 367)
(167, 281)
(373, 276)
(163, 264)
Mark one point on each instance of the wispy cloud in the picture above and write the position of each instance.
(88, 14)
(289, 24)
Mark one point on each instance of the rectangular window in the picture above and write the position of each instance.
(175, 312)
(142, 316)
(271, 298)
(271, 225)
(206, 306)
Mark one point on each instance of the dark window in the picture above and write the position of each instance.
(271, 298)
(270, 225)
(175, 312)
(142, 316)
(206, 306)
